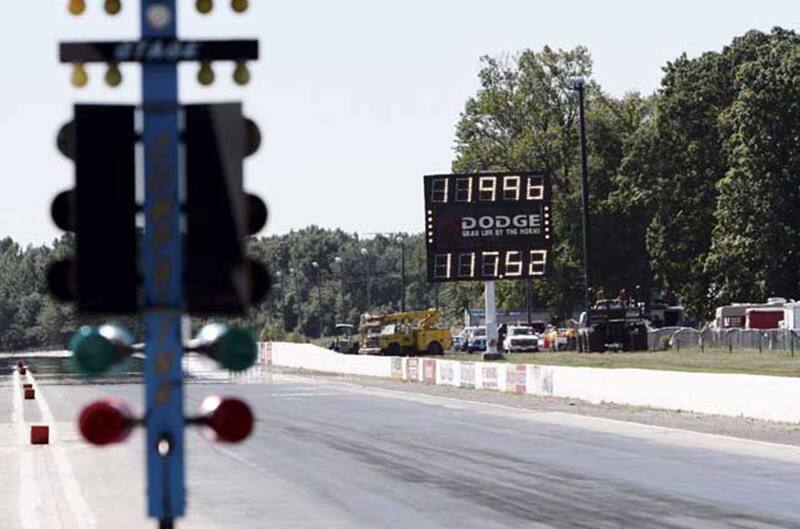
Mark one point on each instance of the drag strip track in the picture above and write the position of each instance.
(331, 454)
(389, 460)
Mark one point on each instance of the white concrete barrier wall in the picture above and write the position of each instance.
(306, 356)
(448, 373)
(754, 396)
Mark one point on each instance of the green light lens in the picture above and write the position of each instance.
(236, 349)
(92, 353)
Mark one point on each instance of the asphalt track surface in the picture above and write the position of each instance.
(332, 454)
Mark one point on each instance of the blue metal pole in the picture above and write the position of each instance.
(162, 264)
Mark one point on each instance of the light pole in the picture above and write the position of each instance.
(297, 298)
(365, 253)
(338, 260)
(401, 240)
(315, 265)
(279, 275)
(578, 84)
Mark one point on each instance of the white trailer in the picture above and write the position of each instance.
(791, 316)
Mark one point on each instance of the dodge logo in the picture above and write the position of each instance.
(500, 221)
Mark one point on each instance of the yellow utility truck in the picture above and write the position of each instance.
(404, 333)
(369, 332)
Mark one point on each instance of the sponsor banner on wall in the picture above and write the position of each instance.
(489, 377)
(467, 374)
(412, 369)
(447, 372)
(515, 378)
(540, 380)
(429, 371)
(265, 353)
(397, 367)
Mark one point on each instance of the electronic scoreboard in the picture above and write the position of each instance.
(487, 226)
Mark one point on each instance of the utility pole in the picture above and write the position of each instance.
(316, 267)
(402, 276)
(365, 253)
(399, 239)
(279, 274)
(338, 260)
(578, 84)
(293, 273)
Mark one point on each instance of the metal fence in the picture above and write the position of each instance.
(677, 338)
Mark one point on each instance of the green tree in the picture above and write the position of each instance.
(55, 323)
(524, 117)
(618, 249)
(756, 240)
(677, 158)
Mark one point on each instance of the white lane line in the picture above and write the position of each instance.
(69, 482)
(290, 395)
(29, 495)
(38, 354)
(661, 434)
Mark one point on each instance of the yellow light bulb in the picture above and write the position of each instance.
(204, 6)
(79, 76)
(240, 6)
(241, 75)
(205, 76)
(113, 75)
(76, 7)
(113, 6)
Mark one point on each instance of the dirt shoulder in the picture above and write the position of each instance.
(773, 432)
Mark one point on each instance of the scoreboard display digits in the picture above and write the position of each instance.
(507, 264)
(487, 226)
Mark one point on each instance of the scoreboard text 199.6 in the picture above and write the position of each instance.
(486, 226)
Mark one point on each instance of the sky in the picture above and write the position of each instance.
(356, 99)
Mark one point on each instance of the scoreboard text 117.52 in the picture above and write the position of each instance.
(486, 226)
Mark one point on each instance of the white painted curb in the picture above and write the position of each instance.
(754, 396)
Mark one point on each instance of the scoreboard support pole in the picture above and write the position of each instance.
(491, 319)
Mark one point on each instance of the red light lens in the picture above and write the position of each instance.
(105, 422)
(229, 418)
